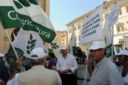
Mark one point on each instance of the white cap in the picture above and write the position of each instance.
(97, 45)
(1, 55)
(63, 47)
(123, 52)
(39, 52)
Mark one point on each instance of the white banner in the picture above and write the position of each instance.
(92, 27)
(110, 21)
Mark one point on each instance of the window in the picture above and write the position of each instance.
(120, 27)
(74, 29)
(120, 12)
(121, 42)
(79, 27)
(127, 9)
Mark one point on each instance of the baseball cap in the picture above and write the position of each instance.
(97, 45)
(123, 52)
(39, 52)
(63, 47)
(1, 55)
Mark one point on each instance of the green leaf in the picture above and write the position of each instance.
(17, 4)
(28, 52)
(33, 41)
(24, 3)
(33, 2)
(28, 47)
(31, 36)
(32, 45)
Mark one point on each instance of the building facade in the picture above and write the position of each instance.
(61, 38)
(74, 29)
(120, 32)
(121, 27)
(4, 40)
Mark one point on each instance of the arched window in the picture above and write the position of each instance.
(120, 11)
(127, 9)
(120, 27)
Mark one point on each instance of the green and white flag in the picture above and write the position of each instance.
(34, 19)
(36, 26)
(26, 41)
(108, 32)
(8, 15)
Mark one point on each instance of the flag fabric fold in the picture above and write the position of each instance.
(108, 30)
(33, 18)
(26, 41)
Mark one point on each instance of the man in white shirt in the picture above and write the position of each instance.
(122, 61)
(67, 66)
(38, 74)
(126, 79)
(105, 71)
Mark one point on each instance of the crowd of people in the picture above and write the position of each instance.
(47, 69)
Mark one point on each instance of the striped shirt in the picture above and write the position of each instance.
(106, 73)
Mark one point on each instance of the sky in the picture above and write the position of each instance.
(64, 11)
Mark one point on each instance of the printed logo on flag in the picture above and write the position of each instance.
(9, 17)
(29, 24)
(20, 3)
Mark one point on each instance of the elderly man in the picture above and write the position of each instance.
(105, 71)
(38, 74)
(67, 66)
(122, 58)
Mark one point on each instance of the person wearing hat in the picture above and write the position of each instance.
(4, 71)
(67, 66)
(105, 71)
(38, 74)
(122, 58)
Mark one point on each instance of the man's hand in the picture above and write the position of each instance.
(65, 71)
(18, 64)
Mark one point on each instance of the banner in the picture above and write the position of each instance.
(7, 15)
(110, 21)
(108, 30)
(92, 27)
(33, 18)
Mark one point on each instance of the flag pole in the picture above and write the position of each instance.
(12, 45)
(86, 67)
(113, 57)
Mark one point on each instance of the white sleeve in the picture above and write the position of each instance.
(58, 64)
(74, 66)
(115, 77)
(126, 79)
(13, 81)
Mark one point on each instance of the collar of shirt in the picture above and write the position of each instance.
(65, 56)
(102, 62)
(38, 66)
